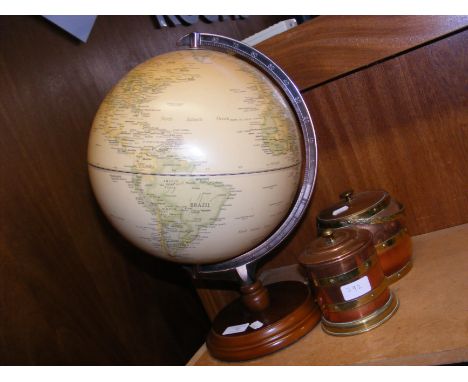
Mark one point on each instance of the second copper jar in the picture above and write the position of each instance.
(350, 286)
(379, 213)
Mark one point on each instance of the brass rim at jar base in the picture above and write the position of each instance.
(364, 324)
(400, 273)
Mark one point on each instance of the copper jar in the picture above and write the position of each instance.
(350, 286)
(382, 215)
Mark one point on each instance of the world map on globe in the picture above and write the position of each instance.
(195, 156)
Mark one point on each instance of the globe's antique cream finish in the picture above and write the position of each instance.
(194, 156)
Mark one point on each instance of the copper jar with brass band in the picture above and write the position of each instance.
(349, 284)
(383, 216)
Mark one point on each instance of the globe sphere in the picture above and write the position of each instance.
(195, 156)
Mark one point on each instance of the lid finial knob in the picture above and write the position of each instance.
(347, 195)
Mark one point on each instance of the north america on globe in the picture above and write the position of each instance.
(195, 156)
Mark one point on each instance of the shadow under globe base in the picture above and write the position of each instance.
(262, 321)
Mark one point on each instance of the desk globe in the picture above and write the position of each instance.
(196, 157)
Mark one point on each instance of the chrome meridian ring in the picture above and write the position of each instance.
(227, 45)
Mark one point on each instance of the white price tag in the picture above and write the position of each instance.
(340, 210)
(235, 329)
(356, 288)
(256, 325)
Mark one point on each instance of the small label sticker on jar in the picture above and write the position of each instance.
(356, 288)
(340, 210)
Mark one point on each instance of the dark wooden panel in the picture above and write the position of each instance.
(401, 125)
(72, 291)
(330, 46)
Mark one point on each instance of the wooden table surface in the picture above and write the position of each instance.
(429, 328)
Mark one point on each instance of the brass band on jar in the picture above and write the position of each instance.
(400, 273)
(367, 217)
(393, 248)
(347, 276)
(357, 302)
(391, 241)
(389, 218)
(363, 324)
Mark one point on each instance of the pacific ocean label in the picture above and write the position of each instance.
(356, 288)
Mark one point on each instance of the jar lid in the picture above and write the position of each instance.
(352, 207)
(336, 246)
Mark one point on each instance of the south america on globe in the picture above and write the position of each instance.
(195, 156)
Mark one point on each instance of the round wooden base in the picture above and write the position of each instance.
(238, 334)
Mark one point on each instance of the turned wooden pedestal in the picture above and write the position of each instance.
(262, 320)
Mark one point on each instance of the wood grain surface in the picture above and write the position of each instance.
(72, 291)
(329, 46)
(429, 328)
(400, 125)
